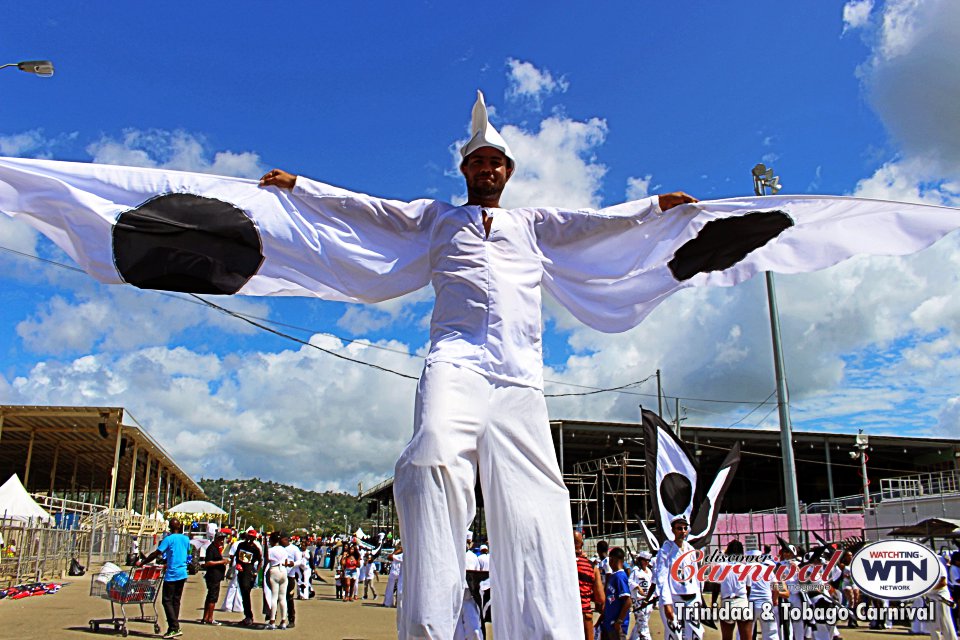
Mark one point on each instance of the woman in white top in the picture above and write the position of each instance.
(733, 596)
(277, 562)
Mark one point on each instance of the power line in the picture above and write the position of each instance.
(261, 322)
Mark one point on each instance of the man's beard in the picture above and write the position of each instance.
(486, 188)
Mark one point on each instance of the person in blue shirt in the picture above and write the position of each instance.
(174, 548)
(616, 607)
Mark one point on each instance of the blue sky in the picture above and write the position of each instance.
(602, 104)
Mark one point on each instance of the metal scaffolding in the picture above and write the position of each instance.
(609, 494)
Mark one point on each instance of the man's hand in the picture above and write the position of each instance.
(284, 180)
(667, 200)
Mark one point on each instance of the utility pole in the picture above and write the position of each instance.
(860, 446)
(763, 180)
(659, 396)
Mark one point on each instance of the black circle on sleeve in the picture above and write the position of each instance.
(188, 243)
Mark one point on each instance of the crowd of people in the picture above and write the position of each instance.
(618, 594)
(624, 595)
(284, 567)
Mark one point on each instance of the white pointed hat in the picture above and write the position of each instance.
(483, 134)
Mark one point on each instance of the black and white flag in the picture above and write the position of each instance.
(676, 485)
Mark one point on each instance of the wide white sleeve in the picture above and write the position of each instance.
(610, 268)
(591, 259)
(198, 233)
(340, 245)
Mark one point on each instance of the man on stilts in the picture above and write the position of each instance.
(480, 405)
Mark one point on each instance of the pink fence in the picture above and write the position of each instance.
(768, 525)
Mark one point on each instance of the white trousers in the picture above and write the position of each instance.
(392, 583)
(469, 626)
(233, 601)
(768, 629)
(278, 594)
(641, 623)
(690, 630)
(942, 626)
(464, 422)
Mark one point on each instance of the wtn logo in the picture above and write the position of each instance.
(902, 569)
(895, 569)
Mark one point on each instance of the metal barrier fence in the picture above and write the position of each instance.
(43, 552)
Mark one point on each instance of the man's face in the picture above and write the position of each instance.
(285, 541)
(680, 530)
(486, 172)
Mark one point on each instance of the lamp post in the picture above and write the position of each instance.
(860, 446)
(42, 68)
(763, 182)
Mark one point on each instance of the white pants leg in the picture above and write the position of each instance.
(691, 630)
(278, 594)
(462, 419)
(388, 592)
(823, 632)
(469, 626)
(942, 626)
(641, 624)
(232, 601)
(768, 629)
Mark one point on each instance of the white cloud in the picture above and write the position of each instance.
(528, 83)
(123, 318)
(856, 14)
(949, 419)
(296, 416)
(638, 188)
(914, 82)
(172, 150)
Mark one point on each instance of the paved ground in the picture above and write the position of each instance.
(66, 615)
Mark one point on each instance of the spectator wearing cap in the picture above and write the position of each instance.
(247, 559)
(483, 560)
(216, 567)
(677, 594)
(616, 605)
(641, 577)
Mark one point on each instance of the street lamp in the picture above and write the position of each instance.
(763, 182)
(42, 68)
(860, 446)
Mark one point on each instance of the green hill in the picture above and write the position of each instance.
(281, 506)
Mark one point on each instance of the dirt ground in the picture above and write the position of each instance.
(67, 615)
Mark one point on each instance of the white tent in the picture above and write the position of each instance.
(16, 503)
(197, 507)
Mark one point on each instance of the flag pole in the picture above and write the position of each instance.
(763, 179)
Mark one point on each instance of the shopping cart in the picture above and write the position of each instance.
(138, 586)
